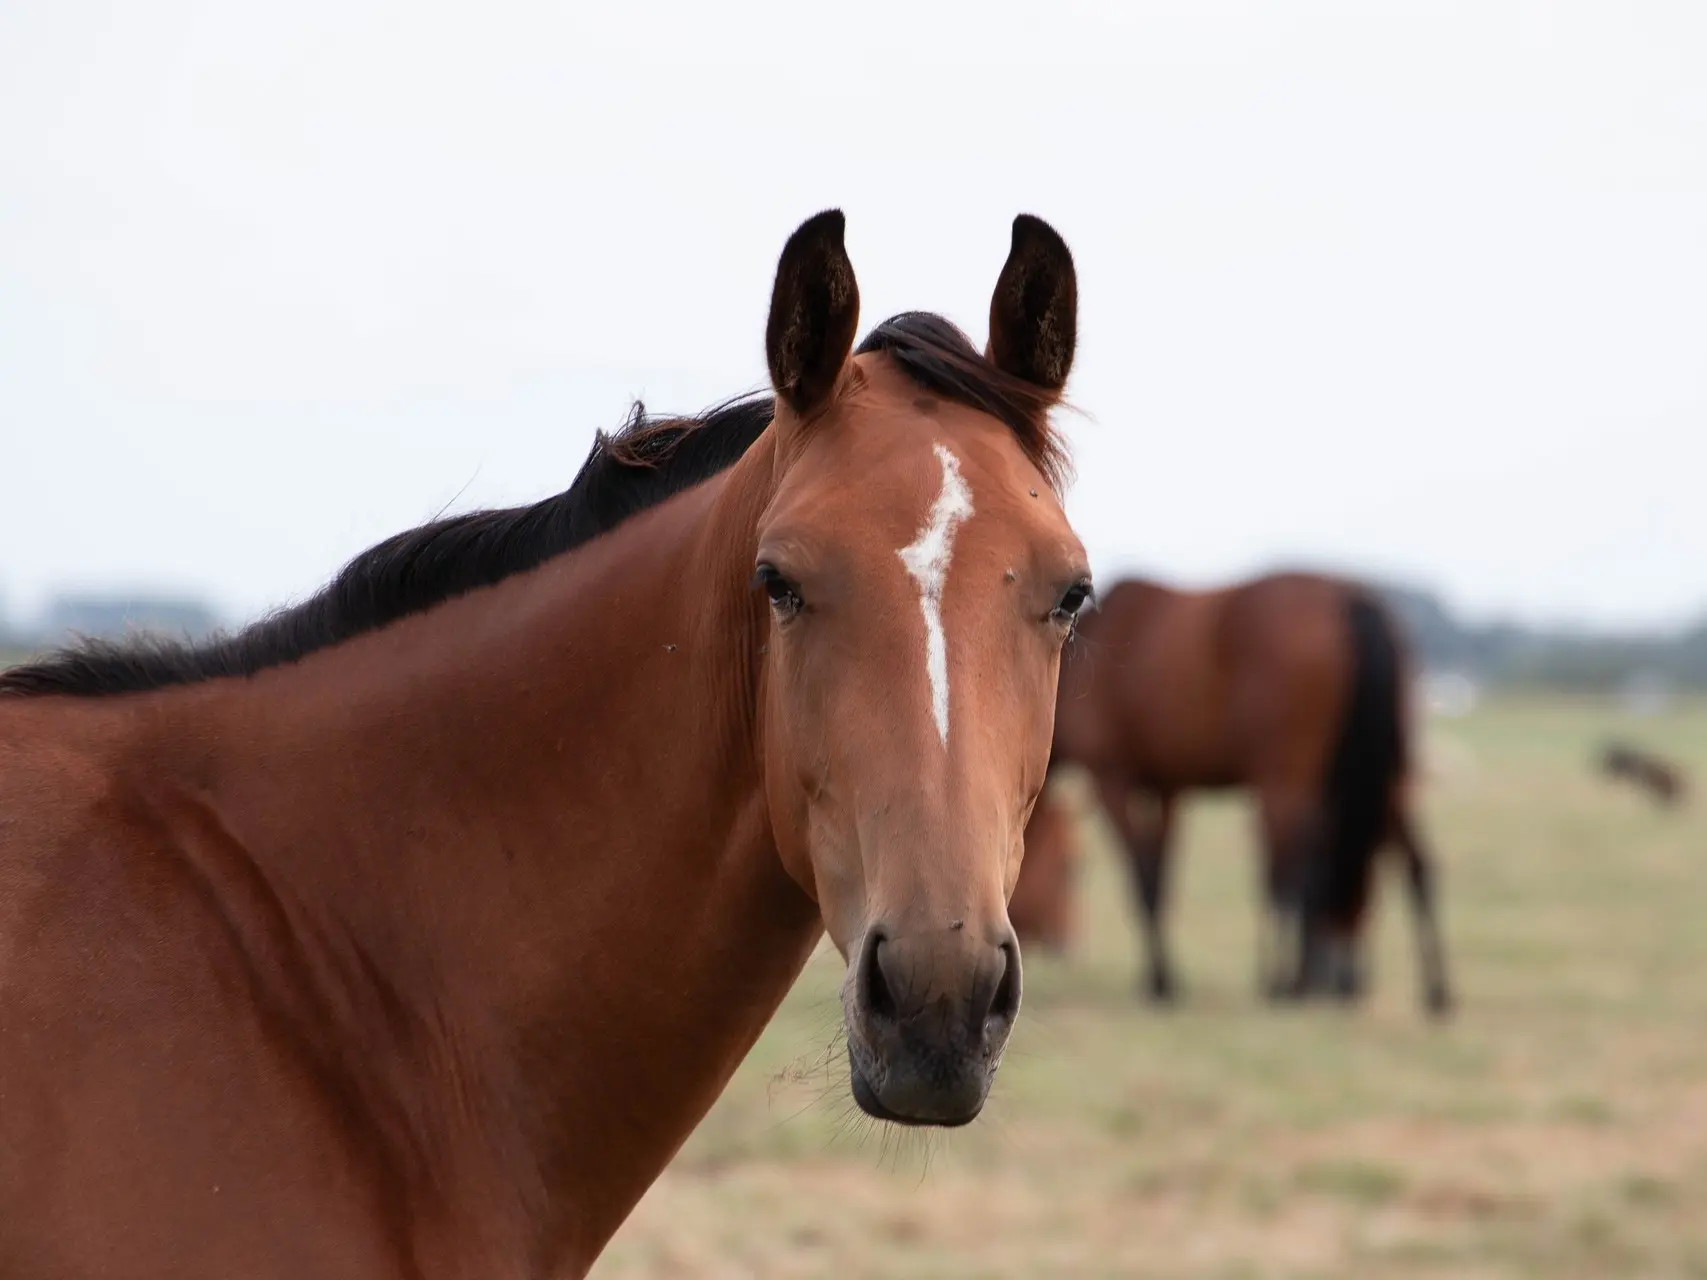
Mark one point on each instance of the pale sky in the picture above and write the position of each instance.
(1419, 289)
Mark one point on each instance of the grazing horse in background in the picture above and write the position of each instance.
(410, 932)
(1044, 906)
(1662, 781)
(1292, 685)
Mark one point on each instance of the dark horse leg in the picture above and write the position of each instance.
(1431, 953)
(1288, 961)
(1147, 851)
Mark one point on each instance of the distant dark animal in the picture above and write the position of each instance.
(1291, 685)
(1662, 780)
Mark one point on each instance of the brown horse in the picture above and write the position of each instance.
(1043, 908)
(1292, 685)
(411, 931)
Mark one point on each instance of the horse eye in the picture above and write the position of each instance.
(1077, 597)
(784, 596)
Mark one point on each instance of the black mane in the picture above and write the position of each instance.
(647, 461)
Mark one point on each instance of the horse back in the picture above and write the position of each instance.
(1189, 689)
(1288, 665)
(1143, 691)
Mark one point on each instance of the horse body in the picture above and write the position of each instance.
(1189, 687)
(419, 951)
(1044, 908)
(409, 990)
(1289, 685)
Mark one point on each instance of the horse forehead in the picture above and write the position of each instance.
(874, 468)
(938, 489)
(894, 456)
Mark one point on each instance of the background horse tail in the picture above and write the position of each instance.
(1369, 761)
(1365, 806)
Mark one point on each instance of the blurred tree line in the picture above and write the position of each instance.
(1494, 653)
(1583, 661)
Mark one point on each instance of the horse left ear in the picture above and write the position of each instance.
(1034, 313)
(814, 312)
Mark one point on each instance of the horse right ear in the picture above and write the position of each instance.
(814, 313)
(1034, 311)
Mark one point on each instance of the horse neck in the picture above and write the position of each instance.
(548, 835)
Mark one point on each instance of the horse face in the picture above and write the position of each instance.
(922, 578)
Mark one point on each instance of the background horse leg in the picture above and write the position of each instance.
(1147, 851)
(1289, 962)
(1150, 863)
(1431, 953)
(1278, 942)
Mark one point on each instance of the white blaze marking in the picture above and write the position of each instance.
(927, 560)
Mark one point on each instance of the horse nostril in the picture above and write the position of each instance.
(879, 999)
(1005, 1004)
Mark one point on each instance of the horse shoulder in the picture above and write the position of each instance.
(156, 1067)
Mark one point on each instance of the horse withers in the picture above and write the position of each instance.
(409, 932)
(1291, 685)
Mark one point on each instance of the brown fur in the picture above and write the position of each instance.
(1044, 906)
(1167, 691)
(419, 954)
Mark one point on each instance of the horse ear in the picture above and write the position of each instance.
(1034, 311)
(814, 312)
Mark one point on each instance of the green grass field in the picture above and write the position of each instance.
(1557, 1127)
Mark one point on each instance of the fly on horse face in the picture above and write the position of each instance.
(1292, 685)
(410, 932)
